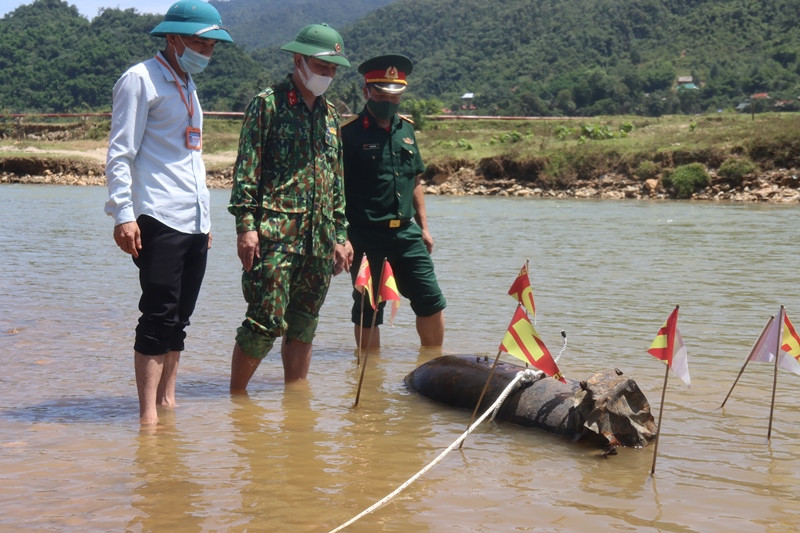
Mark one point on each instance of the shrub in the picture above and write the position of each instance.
(685, 180)
(736, 168)
(563, 132)
(647, 170)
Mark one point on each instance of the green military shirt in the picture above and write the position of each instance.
(380, 169)
(287, 180)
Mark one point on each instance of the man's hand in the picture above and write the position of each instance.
(427, 238)
(248, 249)
(342, 257)
(129, 238)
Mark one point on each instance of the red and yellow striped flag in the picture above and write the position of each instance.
(778, 337)
(521, 290)
(523, 342)
(364, 280)
(388, 289)
(790, 341)
(668, 346)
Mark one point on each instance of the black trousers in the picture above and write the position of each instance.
(171, 269)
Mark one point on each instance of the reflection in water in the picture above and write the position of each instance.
(167, 495)
(280, 451)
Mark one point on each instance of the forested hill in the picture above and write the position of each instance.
(541, 57)
(54, 60)
(259, 24)
(520, 57)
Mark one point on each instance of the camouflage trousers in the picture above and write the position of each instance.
(284, 293)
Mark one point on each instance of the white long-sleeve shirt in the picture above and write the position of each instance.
(149, 168)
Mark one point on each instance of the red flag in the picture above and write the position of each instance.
(523, 342)
(364, 280)
(668, 346)
(790, 343)
(388, 289)
(521, 290)
(776, 335)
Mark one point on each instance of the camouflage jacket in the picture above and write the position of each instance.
(290, 158)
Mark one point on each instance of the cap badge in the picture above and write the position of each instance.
(391, 73)
(337, 47)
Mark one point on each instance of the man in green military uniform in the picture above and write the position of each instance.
(288, 200)
(386, 202)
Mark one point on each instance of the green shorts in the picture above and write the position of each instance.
(411, 264)
(284, 293)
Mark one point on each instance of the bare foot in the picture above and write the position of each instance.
(148, 421)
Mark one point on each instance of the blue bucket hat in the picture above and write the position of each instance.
(193, 18)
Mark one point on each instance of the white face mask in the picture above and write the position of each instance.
(190, 61)
(315, 83)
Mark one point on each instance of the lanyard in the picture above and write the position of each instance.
(187, 100)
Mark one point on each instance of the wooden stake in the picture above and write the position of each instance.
(775, 376)
(658, 427)
(755, 346)
(483, 393)
(369, 339)
(361, 327)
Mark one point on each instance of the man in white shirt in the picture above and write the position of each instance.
(157, 191)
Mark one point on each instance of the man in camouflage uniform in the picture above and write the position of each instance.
(386, 202)
(288, 200)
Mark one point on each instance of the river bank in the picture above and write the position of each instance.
(733, 157)
(457, 179)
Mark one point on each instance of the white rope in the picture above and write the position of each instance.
(523, 374)
(529, 374)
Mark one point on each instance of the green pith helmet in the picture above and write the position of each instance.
(320, 41)
(194, 18)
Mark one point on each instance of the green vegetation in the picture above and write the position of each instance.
(556, 58)
(687, 179)
(263, 24)
(527, 151)
(55, 61)
(580, 58)
(736, 168)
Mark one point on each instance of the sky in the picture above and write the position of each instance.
(88, 8)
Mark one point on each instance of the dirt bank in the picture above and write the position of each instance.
(454, 178)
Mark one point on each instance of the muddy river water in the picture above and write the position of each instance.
(301, 458)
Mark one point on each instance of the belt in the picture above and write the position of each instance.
(394, 223)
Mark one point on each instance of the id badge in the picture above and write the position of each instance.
(194, 138)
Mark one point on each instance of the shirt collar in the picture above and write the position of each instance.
(166, 71)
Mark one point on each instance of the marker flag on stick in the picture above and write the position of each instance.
(364, 280)
(388, 289)
(668, 346)
(521, 290)
(789, 357)
(523, 342)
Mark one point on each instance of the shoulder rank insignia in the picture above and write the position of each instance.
(408, 140)
(349, 120)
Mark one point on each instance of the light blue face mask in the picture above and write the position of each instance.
(190, 61)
